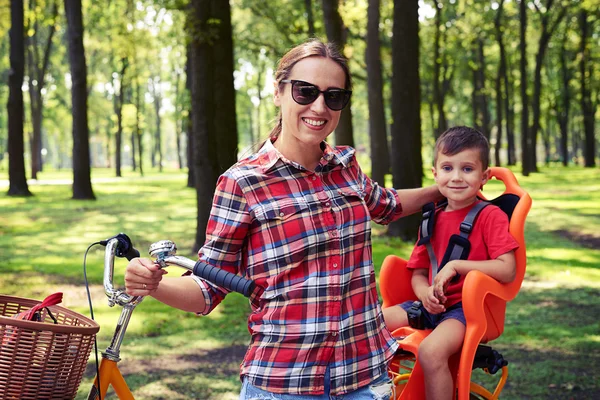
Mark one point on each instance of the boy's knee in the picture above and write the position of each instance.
(430, 357)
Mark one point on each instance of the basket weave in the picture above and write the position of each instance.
(42, 360)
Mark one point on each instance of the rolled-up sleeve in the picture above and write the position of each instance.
(383, 203)
(226, 232)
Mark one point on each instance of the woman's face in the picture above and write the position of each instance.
(308, 125)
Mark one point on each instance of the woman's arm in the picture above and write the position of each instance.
(413, 200)
(144, 278)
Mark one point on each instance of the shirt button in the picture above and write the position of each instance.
(334, 265)
(333, 233)
(282, 214)
(327, 204)
(334, 334)
(314, 178)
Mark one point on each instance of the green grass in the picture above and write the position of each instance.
(552, 336)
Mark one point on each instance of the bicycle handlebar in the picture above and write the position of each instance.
(165, 250)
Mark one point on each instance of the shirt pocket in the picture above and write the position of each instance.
(280, 210)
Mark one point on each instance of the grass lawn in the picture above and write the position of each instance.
(552, 336)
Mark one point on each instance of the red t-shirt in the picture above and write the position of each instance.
(489, 240)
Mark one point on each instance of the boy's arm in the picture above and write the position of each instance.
(503, 269)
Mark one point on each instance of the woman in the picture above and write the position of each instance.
(295, 218)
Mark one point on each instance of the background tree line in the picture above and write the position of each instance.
(149, 84)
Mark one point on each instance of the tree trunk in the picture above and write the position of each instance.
(16, 161)
(309, 18)
(562, 112)
(37, 72)
(82, 183)
(204, 68)
(380, 162)
(224, 124)
(586, 101)
(499, 80)
(438, 91)
(546, 34)
(525, 159)
(178, 117)
(407, 165)
(191, 179)
(336, 33)
(138, 129)
(118, 107)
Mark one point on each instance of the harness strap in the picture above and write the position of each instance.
(457, 251)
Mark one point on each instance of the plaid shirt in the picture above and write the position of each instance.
(305, 237)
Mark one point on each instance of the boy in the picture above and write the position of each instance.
(460, 170)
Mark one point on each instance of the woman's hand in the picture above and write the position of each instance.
(142, 277)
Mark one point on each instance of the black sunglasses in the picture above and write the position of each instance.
(305, 93)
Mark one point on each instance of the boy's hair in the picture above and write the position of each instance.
(460, 138)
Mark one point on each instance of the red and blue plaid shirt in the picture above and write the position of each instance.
(305, 237)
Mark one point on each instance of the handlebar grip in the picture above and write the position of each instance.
(225, 279)
(132, 253)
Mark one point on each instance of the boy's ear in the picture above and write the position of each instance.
(276, 95)
(485, 177)
(434, 172)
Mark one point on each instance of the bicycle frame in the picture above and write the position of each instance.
(108, 372)
(164, 252)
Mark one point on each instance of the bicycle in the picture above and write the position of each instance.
(108, 373)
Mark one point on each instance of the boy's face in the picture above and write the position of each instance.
(459, 177)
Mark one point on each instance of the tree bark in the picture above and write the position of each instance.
(586, 101)
(118, 108)
(213, 102)
(16, 161)
(82, 183)
(499, 80)
(37, 72)
(380, 162)
(525, 156)
(562, 113)
(407, 163)
(438, 87)
(336, 33)
(546, 34)
(309, 18)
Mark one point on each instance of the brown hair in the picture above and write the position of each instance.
(310, 48)
(460, 138)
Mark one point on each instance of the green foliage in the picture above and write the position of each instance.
(551, 339)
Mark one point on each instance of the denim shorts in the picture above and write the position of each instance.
(380, 389)
(433, 320)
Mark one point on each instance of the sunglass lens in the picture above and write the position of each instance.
(336, 99)
(304, 94)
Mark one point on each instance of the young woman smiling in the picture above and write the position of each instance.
(295, 217)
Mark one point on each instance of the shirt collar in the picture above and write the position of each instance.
(268, 155)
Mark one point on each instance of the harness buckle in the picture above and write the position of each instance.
(466, 227)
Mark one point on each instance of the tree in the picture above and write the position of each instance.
(380, 161)
(337, 33)
(548, 28)
(525, 140)
(16, 161)
(213, 101)
(586, 101)
(407, 165)
(82, 183)
(37, 69)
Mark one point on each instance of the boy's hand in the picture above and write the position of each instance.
(441, 281)
(431, 302)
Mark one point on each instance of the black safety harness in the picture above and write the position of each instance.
(459, 245)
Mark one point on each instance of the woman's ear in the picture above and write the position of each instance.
(276, 95)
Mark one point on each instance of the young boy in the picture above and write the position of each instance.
(460, 170)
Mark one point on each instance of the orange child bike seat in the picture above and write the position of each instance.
(484, 298)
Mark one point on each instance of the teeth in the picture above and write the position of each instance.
(313, 122)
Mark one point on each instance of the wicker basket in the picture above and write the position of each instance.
(42, 360)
